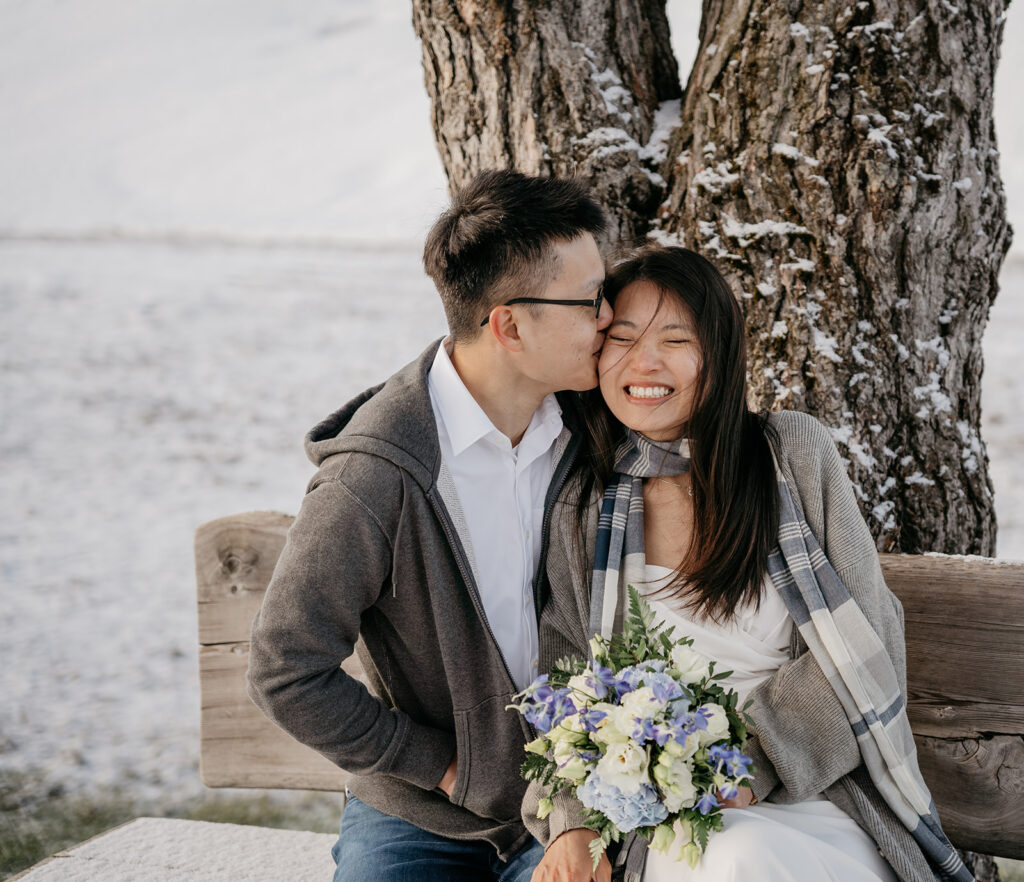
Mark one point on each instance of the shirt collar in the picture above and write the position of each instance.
(466, 422)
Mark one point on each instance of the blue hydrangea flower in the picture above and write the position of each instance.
(626, 812)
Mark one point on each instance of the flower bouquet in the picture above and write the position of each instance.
(643, 735)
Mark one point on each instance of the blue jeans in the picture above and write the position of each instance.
(374, 847)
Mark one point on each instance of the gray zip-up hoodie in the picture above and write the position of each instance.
(376, 561)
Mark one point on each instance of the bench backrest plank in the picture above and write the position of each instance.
(965, 674)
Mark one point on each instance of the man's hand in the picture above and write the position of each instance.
(568, 860)
(447, 783)
(743, 798)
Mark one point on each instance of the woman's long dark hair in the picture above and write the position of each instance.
(735, 497)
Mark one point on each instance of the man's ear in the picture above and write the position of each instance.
(502, 324)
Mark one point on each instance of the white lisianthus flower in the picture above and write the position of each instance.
(691, 666)
(583, 694)
(685, 750)
(570, 766)
(663, 838)
(718, 724)
(538, 746)
(607, 731)
(569, 730)
(638, 703)
(671, 839)
(691, 854)
(676, 781)
(624, 766)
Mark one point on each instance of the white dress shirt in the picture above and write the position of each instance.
(501, 489)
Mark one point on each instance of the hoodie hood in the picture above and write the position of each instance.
(393, 420)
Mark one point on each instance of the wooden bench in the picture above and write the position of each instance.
(965, 671)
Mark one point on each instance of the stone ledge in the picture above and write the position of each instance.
(172, 850)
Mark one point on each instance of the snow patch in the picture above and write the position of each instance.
(825, 345)
(745, 233)
(791, 152)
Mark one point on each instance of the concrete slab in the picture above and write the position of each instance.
(172, 850)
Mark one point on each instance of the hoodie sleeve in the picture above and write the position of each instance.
(335, 562)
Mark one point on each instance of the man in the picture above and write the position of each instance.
(422, 534)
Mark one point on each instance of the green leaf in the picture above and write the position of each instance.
(597, 847)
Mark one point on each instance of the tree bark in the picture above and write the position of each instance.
(554, 88)
(838, 161)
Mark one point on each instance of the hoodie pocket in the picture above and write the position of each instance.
(489, 742)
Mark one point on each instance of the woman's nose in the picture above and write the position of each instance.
(645, 356)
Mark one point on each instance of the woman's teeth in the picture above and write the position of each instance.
(648, 391)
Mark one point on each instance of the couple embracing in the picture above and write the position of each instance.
(480, 514)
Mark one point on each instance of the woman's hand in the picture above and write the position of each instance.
(568, 860)
(743, 798)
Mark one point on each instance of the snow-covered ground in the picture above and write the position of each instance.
(208, 240)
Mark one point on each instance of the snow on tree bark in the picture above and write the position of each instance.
(836, 160)
(553, 88)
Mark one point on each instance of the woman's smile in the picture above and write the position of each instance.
(651, 362)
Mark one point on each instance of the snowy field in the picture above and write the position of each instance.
(208, 240)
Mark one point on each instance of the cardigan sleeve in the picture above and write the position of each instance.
(802, 741)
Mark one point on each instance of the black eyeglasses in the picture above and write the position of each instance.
(596, 303)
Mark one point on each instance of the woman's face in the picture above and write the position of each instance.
(650, 362)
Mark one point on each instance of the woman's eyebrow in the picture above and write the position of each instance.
(673, 327)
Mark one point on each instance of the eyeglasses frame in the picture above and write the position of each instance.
(596, 303)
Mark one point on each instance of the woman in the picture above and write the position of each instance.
(744, 533)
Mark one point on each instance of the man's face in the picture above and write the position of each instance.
(562, 344)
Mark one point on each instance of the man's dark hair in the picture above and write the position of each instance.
(494, 242)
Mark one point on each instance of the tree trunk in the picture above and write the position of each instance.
(559, 88)
(838, 161)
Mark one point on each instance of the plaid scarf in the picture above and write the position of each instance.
(836, 632)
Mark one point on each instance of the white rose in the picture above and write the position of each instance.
(692, 666)
(676, 781)
(624, 766)
(718, 724)
(570, 766)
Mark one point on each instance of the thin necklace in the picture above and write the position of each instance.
(689, 487)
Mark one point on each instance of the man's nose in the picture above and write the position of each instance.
(605, 316)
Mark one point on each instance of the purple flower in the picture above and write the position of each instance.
(707, 803)
(545, 707)
(590, 718)
(736, 763)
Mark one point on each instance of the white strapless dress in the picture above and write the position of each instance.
(812, 841)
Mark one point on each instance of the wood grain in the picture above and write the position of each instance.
(965, 674)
